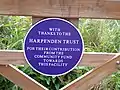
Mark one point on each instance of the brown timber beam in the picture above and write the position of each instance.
(20, 78)
(94, 76)
(62, 8)
(89, 58)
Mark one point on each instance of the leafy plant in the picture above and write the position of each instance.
(55, 83)
(12, 31)
(102, 35)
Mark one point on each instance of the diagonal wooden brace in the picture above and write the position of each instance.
(20, 78)
(94, 76)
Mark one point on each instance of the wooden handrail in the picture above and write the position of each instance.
(89, 58)
(62, 8)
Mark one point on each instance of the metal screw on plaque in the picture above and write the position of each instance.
(118, 65)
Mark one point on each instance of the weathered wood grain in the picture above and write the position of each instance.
(94, 76)
(89, 58)
(19, 78)
(62, 8)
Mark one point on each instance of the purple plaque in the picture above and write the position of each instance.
(53, 47)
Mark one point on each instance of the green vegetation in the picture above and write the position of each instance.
(55, 83)
(12, 31)
(102, 36)
(99, 36)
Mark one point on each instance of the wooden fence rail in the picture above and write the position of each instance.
(62, 8)
(89, 58)
(105, 64)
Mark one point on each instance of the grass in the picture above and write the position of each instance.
(101, 35)
(12, 31)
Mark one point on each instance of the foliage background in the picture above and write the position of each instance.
(99, 35)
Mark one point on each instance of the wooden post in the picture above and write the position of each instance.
(35, 19)
(74, 21)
